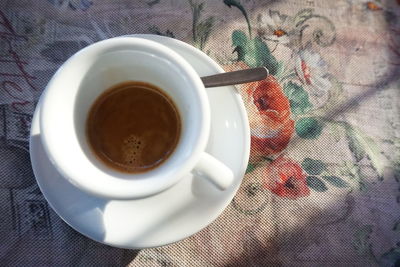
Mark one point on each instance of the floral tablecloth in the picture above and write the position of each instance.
(322, 186)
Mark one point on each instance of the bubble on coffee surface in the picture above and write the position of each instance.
(132, 151)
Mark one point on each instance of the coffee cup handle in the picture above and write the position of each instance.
(215, 171)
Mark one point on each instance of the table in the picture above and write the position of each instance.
(322, 185)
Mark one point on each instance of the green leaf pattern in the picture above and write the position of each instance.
(308, 128)
(254, 52)
(336, 181)
(316, 183)
(362, 145)
(298, 98)
(313, 167)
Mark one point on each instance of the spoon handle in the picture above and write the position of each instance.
(235, 77)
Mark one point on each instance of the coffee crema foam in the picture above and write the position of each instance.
(133, 127)
(132, 151)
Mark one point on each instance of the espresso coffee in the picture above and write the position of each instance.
(133, 127)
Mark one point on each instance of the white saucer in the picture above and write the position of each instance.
(174, 214)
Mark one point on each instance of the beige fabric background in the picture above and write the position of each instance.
(330, 109)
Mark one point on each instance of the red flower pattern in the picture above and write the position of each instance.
(285, 177)
(269, 115)
(273, 133)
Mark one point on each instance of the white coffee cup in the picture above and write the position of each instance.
(82, 78)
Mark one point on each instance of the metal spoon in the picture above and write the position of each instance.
(235, 77)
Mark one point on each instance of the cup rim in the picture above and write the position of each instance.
(116, 187)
